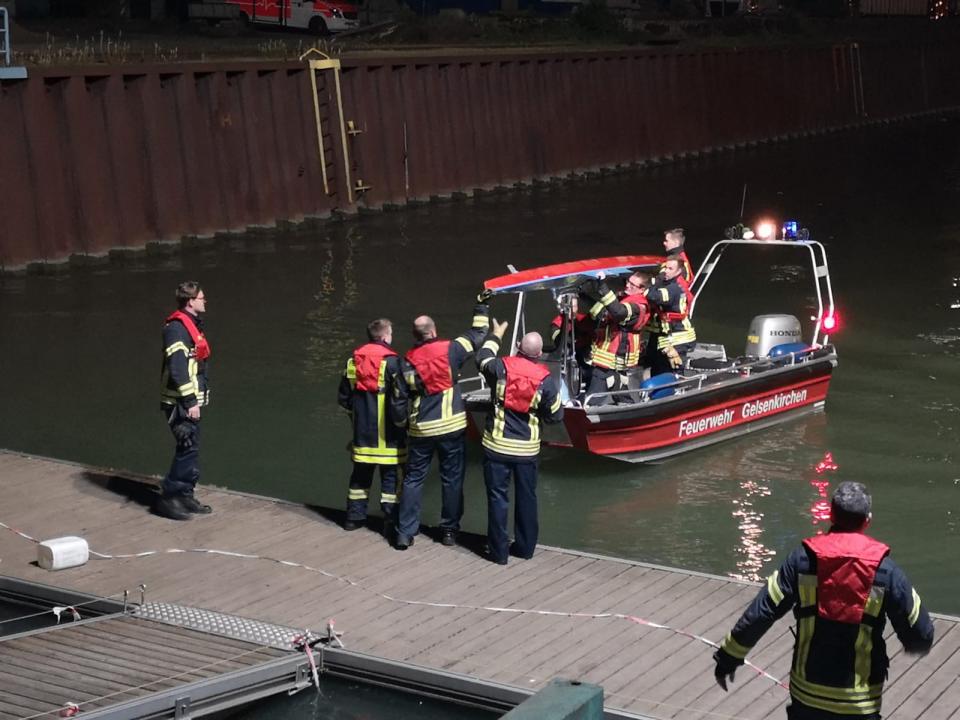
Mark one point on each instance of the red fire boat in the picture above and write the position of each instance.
(713, 397)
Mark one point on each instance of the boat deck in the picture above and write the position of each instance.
(433, 606)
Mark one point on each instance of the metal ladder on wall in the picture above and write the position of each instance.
(8, 71)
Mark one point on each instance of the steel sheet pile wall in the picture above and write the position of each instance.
(94, 159)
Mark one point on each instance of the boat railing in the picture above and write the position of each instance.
(472, 384)
(4, 36)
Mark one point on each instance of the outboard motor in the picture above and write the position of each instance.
(768, 331)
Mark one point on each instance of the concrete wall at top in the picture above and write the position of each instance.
(99, 158)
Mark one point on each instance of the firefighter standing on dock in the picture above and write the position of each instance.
(373, 391)
(842, 587)
(437, 421)
(618, 340)
(673, 334)
(523, 396)
(183, 392)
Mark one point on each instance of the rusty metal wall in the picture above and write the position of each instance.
(100, 158)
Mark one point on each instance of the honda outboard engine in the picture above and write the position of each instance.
(768, 331)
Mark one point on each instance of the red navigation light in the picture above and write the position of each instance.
(830, 322)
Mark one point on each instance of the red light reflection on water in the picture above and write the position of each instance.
(820, 509)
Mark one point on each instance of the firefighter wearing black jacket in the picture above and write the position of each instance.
(523, 396)
(842, 587)
(673, 335)
(673, 241)
(437, 422)
(373, 391)
(183, 392)
(618, 340)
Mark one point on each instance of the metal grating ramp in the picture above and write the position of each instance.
(231, 626)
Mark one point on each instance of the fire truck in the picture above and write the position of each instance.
(318, 16)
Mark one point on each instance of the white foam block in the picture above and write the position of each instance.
(64, 552)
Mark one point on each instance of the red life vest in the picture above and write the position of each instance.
(847, 563)
(201, 346)
(432, 362)
(678, 316)
(583, 329)
(366, 362)
(523, 380)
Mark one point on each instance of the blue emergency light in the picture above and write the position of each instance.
(791, 230)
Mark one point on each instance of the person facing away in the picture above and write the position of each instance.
(183, 392)
(582, 327)
(673, 242)
(842, 587)
(618, 340)
(673, 334)
(437, 421)
(523, 396)
(373, 391)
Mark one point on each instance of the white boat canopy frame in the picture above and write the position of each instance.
(818, 262)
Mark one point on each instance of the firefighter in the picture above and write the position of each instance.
(674, 334)
(618, 340)
(842, 588)
(437, 421)
(373, 391)
(584, 328)
(673, 241)
(523, 396)
(183, 392)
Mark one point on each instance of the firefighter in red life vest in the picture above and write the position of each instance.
(618, 341)
(674, 334)
(523, 396)
(673, 241)
(842, 587)
(437, 422)
(373, 391)
(183, 392)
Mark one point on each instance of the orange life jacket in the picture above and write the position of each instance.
(201, 347)
(367, 360)
(523, 378)
(432, 362)
(847, 563)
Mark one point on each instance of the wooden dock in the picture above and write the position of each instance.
(430, 606)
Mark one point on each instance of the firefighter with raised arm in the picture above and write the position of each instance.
(373, 391)
(618, 339)
(437, 421)
(523, 396)
(842, 588)
(673, 334)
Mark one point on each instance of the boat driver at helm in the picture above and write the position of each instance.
(618, 341)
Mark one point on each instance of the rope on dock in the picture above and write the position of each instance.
(483, 608)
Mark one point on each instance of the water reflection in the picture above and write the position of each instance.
(820, 509)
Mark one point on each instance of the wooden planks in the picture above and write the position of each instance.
(439, 613)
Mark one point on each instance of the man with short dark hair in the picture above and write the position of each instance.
(673, 242)
(183, 392)
(673, 335)
(373, 391)
(437, 421)
(842, 587)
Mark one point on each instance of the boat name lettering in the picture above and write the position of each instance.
(777, 402)
(707, 423)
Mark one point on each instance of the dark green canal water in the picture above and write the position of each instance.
(80, 350)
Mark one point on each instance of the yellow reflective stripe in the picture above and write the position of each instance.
(677, 338)
(351, 371)
(861, 657)
(808, 597)
(874, 602)
(481, 321)
(556, 404)
(493, 345)
(499, 413)
(446, 404)
(357, 494)
(388, 497)
(465, 344)
(411, 379)
(186, 389)
(608, 298)
(773, 588)
(176, 347)
(596, 309)
(734, 649)
(846, 697)
(379, 456)
(379, 451)
(915, 612)
(664, 295)
(504, 446)
(431, 428)
(381, 421)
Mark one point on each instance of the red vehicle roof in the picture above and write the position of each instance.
(569, 274)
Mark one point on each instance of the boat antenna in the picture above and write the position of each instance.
(743, 201)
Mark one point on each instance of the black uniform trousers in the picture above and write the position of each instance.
(184, 471)
(799, 711)
(450, 449)
(360, 481)
(497, 470)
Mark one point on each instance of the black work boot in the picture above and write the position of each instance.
(192, 505)
(448, 537)
(169, 506)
